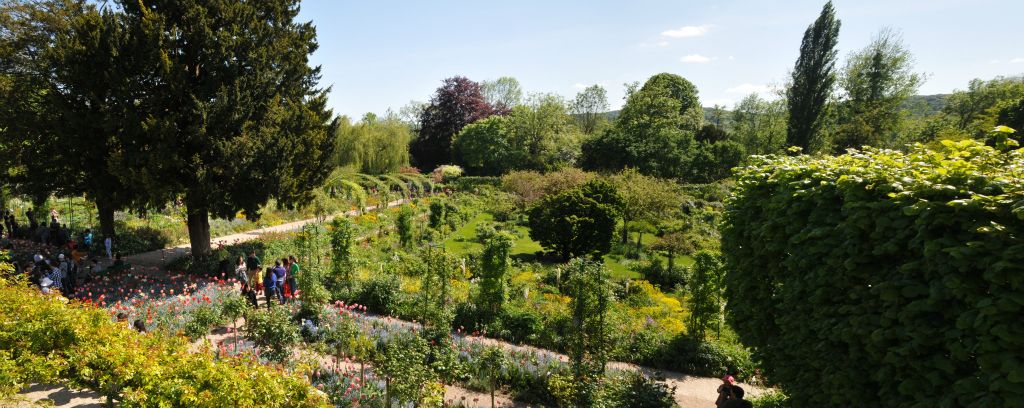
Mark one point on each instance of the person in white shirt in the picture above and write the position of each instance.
(108, 243)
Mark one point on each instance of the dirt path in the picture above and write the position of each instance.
(162, 257)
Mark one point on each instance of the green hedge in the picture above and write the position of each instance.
(882, 278)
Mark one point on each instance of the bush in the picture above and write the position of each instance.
(655, 272)
(51, 341)
(771, 399)
(634, 390)
(707, 358)
(380, 294)
(272, 331)
(201, 320)
(881, 278)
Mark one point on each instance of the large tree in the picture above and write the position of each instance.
(236, 115)
(374, 145)
(578, 222)
(759, 125)
(503, 93)
(876, 80)
(654, 132)
(813, 80)
(457, 103)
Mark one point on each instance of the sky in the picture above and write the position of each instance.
(382, 54)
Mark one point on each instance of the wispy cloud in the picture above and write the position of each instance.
(1017, 60)
(687, 31)
(695, 58)
(746, 89)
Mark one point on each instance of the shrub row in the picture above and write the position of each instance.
(882, 278)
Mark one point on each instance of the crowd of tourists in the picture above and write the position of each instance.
(278, 282)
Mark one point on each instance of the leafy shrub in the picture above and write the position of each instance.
(272, 331)
(655, 272)
(380, 294)
(633, 390)
(201, 320)
(708, 358)
(51, 341)
(446, 173)
(882, 278)
(771, 399)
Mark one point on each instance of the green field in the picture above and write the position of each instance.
(463, 241)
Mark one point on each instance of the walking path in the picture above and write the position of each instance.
(691, 391)
(162, 257)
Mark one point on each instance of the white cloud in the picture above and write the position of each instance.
(695, 58)
(687, 31)
(731, 58)
(578, 85)
(1017, 60)
(747, 89)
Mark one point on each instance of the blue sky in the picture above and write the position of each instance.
(381, 54)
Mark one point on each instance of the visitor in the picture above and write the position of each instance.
(32, 224)
(108, 243)
(269, 286)
(119, 265)
(95, 269)
(139, 326)
(14, 226)
(280, 274)
(252, 265)
(56, 277)
(293, 274)
(87, 238)
(728, 391)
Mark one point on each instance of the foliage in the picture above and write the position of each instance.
(634, 390)
(342, 238)
(589, 109)
(403, 363)
(405, 225)
(813, 80)
(1012, 114)
(272, 331)
(900, 267)
(759, 125)
(644, 198)
(654, 132)
(530, 186)
(771, 399)
(706, 294)
(495, 266)
(975, 110)
(877, 80)
(667, 279)
(373, 146)
(588, 336)
(710, 162)
(446, 173)
(201, 108)
(577, 222)
(503, 93)
(457, 103)
(539, 135)
(55, 342)
(380, 293)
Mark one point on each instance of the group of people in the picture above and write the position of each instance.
(55, 234)
(64, 271)
(275, 282)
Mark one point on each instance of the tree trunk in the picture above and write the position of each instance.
(106, 214)
(639, 235)
(198, 227)
(671, 261)
(625, 230)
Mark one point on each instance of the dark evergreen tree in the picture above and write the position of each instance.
(813, 80)
(235, 115)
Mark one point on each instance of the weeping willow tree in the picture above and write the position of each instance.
(372, 145)
(341, 184)
(421, 182)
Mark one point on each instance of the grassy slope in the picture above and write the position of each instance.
(462, 241)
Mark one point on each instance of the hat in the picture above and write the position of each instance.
(728, 379)
(60, 257)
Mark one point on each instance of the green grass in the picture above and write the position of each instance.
(463, 241)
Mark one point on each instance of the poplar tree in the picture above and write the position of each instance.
(813, 80)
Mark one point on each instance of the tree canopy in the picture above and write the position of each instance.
(457, 103)
(813, 80)
(373, 146)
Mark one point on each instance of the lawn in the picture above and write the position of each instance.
(463, 241)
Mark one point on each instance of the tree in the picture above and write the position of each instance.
(654, 133)
(710, 162)
(411, 113)
(494, 266)
(539, 135)
(502, 94)
(759, 125)
(813, 80)
(457, 103)
(706, 294)
(577, 222)
(877, 81)
(373, 146)
(234, 114)
(587, 286)
(590, 108)
(644, 198)
(405, 225)
(975, 109)
(1012, 114)
(403, 364)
